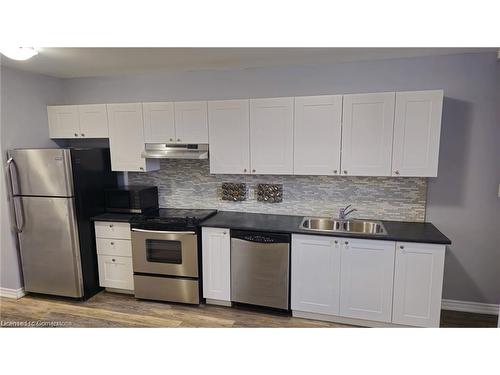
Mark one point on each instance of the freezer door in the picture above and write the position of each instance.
(50, 251)
(42, 172)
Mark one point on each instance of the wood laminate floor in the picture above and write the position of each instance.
(119, 310)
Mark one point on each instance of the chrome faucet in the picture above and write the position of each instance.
(344, 212)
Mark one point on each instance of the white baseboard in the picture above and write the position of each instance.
(210, 301)
(344, 320)
(472, 307)
(12, 293)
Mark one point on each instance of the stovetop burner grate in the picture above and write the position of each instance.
(172, 219)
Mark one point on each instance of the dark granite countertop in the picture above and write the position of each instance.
(396, 230)
(110, 216)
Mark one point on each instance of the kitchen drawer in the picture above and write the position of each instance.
(167, 289)
(111, 246)
(105, 229)
(115, 272)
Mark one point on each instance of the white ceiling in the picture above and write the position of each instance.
(87, 62)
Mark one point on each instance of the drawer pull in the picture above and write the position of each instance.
(111, 225)
(113, 259)
(112, 243)
(346, 242)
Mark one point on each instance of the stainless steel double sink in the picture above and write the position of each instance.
(324, 224)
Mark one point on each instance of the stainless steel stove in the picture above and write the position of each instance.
(166, 246)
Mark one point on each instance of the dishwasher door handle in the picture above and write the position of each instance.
(261, 237)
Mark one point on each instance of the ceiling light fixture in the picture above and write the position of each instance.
(19, 53)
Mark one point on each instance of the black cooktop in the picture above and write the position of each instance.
(171, 219)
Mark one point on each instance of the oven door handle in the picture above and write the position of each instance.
(162, 231)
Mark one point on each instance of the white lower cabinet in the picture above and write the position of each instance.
(315, 284)
(114, 256)
(418, 282)
(216, 260)
(366, 279)
(356, 281)
(115, 272)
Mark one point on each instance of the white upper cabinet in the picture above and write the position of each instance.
(317, 135)
(367, 131)
(93, 121)
(271, 135)
(377, 134)
(78, 121)
(126, 138)
(228, 122)
(315, 285)
(63, 121)
(418, 283)
(159, 126)
(180, 122)
(417, 129)
(191, 122)
(366, 279)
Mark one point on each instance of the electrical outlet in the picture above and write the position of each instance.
(251, 193)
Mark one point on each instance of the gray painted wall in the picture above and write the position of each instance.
(23, 118)
(462, 201)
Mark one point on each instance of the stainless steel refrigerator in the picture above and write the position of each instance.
(54, 194)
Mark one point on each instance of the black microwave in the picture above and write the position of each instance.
(135, 199)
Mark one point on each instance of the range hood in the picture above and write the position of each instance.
(175, 151)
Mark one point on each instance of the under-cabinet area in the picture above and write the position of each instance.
(371, 134)
(368, 282)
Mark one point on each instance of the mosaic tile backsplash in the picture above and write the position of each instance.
(189, 184)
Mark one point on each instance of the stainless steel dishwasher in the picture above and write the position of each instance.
(260, 264)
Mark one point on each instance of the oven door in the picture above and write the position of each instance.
(165, 253)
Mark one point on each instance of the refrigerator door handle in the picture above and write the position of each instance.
(11, 163)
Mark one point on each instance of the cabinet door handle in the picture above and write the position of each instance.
(76, 134)
(396, 172)
(401, 247)
(224, 233)
(171, 139)
(346, 242)
(335, 171)
(113, 259)
(112, 243)
(345, 172)
(245, 170)
(178, 139)
(83, 135)
(253, 170)
(141, 168)
(335, 242)
(111, 225)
